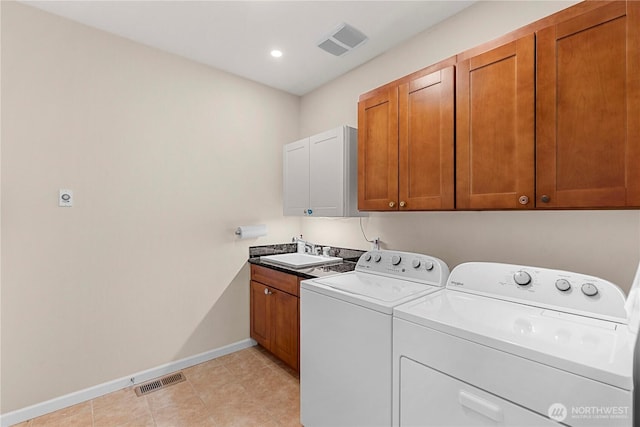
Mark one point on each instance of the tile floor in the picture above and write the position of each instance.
(246, 388)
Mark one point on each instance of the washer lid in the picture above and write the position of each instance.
(373, 291)
(593, 348)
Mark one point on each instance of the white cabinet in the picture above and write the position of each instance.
(320, 174)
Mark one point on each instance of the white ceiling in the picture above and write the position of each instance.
(237, 36)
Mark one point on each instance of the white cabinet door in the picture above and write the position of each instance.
(326, 173)
(320, 174)
(296, 177)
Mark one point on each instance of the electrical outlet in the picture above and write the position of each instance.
(65, 198)
(376, 244)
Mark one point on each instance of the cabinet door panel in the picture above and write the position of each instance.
(495, 128)
(327, 173)
(285, 327)
(260, 314)
(426, 141)
(378, 151)
(296, 177)
(587, 108)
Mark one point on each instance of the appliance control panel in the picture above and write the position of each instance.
(405, 265)
(546, 288)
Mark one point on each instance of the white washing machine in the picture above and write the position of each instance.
(345, 336)
(512, 345)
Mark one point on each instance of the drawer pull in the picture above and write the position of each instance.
(481, 406)
(267, 291)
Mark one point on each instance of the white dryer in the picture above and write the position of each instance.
(513, 345)
(345, 336)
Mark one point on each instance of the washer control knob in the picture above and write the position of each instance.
(428, 265)
(522, 278)
(367, 257)
(416, 263)
(589, 289)
(377, 257)
(395, 260)
(563, 285)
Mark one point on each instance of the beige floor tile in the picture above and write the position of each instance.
(231, 393)
(246, 367)
(73, 416)
(210, 377)
(243, 389)
(246, 355)
(291, 419)
(283, 402)
(242, 415)
(144, 421)
(119, 408)
(189, 412)
(170, 396)
(264, 382)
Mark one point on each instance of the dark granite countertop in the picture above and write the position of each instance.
(349, 256)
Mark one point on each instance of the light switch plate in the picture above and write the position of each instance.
(65, 199)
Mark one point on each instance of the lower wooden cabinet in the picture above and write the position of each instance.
(275, 320)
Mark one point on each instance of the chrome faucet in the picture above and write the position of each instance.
(309, 248)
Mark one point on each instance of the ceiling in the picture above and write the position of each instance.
(237, 36)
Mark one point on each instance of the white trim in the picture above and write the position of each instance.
(39, 409)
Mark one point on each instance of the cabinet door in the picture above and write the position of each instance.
(296, 177)
(260, 314)
(327, 173)
(495, 128)
(588, 109)
(284, 343)
(426, 142)
(378, 151)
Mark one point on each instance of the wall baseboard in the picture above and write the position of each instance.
(39, 409)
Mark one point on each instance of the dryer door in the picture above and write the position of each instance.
(431, 398)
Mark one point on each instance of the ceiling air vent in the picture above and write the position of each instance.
(343, 39)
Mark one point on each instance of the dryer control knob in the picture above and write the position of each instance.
(377, 257)
(563, 285)
(589, 289)
(416, 263)
(395, 260)
(522, 278)
(428, 266)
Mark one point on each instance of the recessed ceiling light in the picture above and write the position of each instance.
(276, 53)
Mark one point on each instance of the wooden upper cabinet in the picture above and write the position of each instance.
(495, 127)
(405, 143)
(378, 151)
(588, 110)
(426, 142)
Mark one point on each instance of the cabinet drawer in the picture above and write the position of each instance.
(276, 279)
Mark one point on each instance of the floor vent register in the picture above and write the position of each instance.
(159, 384)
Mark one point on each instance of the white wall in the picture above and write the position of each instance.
(165, 157)
(601, 243)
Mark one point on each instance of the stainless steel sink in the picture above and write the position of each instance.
(297, 260)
